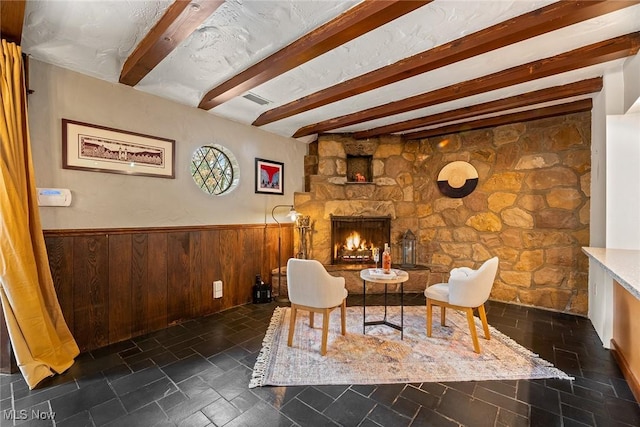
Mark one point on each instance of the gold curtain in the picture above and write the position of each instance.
(41, 340)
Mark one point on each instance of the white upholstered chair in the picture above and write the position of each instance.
(313, 289)
(467, 289)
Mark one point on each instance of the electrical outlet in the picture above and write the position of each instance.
(217, 289)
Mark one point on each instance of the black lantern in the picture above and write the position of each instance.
(261, 291)
(409, 249)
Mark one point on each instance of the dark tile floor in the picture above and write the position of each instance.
(196, 374)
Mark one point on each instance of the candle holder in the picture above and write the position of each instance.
(303, 226)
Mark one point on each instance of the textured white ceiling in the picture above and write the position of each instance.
(96, 37)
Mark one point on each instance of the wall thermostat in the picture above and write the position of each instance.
(54, 196)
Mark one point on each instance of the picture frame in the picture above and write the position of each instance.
(269, 176)
(95, 148)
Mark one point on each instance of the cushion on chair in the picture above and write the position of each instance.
(438, 292)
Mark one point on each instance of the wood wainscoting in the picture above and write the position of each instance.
(114, 284)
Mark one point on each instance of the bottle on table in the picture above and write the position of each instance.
(386, 259)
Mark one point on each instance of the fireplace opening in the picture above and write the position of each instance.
(354, 237)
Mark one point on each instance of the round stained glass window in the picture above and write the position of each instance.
(214, 169)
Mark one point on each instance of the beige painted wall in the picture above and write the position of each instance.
(113, 200)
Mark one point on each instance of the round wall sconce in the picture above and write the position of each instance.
(457, 179)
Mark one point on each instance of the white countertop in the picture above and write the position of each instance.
(622, 264)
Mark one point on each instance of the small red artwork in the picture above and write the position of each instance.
(269, 177)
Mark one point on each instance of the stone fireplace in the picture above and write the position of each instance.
(380, 208)
(354, 237)
(336, 201)
(531, 207)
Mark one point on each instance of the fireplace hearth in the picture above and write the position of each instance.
(354, 237)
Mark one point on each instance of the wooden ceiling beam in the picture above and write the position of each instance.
(524, 116)
(179, 21)
(12, 20)
(359, 20)
(583, 87)
(550, 18)
(597, 53)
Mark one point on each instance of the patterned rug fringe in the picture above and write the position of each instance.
(557, 373)
(262, 361)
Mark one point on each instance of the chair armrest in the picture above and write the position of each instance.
(336, 283)
(333, 290)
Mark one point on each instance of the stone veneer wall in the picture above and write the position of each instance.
(531, 206)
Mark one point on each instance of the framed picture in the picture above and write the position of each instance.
(269, 177)
(101, 149)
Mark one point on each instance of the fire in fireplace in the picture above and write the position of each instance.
(354, 237)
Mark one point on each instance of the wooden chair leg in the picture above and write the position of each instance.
(472, 330)
(311, 319)
(485, 324)
(343, 316)
(292, 324)
(429, 312)
(443, 314)
(325, 331)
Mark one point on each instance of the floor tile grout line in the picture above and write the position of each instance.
(566, 332)
(296, 397)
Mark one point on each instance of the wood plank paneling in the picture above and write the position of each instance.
(211, 269)
(230, 267)
(270, 256)
(251, 266)
(286, 236)
(195, 274)
(121, 283)
(120, 296)
(60, 253)
(139, 283)
(178, 283)
(91, 291)
(156, 309)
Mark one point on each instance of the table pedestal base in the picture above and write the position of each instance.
(384, 321)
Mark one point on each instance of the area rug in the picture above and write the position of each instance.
(381, 357)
